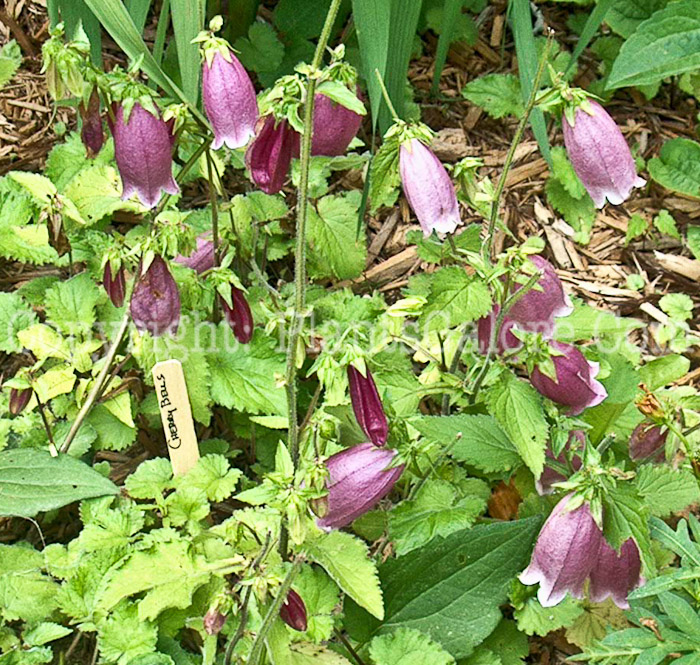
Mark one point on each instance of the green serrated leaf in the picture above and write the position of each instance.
(70, 305)
(213, 476)
(498, 94)
(346, 559)
(407, 646)
(261, 50)
(15, 316)
(666, 490)
(678, 166)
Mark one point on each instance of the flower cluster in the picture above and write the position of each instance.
(362, 475)
(571, 549)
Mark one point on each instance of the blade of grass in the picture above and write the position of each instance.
(161, 32)
(188, 20)
(138, 10)
(526, 51)
(450, 11)
(73, 12)
(117, 22)
(404, 22)
(372, 23)
(595, 18)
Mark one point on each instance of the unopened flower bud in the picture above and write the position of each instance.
(19, 398)
(293, 611)
(91, 133)
(600, 155)
(201, 259)
(239, 317)
(214, 621)
(229, 100)
(270, 154)
(155, 303)
(143, 149)
(575, 385)
(115, 284)
(359, 478)
(367, 406)
(428, 188)
(649, 405)
(647, 441)
(549, 476)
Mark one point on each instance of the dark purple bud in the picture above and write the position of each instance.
(19, 398)
(506, 341)
(155, 303)
(565, 553)
(576, 385)
(600, 155)
(91, 132)
(115, 285)
(550, 476)
(293, 611)
(143, 150)
(428, 188)
(201, 259)
(214, 621)
(648, 441)
(616, 575)
(229, 100)
(239, 317)
(359, 478)
(335, 126)
(270, 154)
(367, 406)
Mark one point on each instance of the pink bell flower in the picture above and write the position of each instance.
(269, 156)
(155, 302)
(367, 406)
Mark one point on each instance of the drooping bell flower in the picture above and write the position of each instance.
(615, 575)
(115, 284)
(576, 385)
(229, 99)
(600, 155)
(201, 259)
(239, 317)
(534, 312)
(549, 476)
(155, 302)
(293, 611)
(335, 126)
(359, 477)
(91, 133)
(19, 398)
(428, 188)
(647, 441)
(143, 149)
(565, 553)
(269, 156)
(367, 406)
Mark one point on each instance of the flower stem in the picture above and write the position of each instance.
(496, 203)
(273, 612)
(214, 225)
(385, 94)
(300, 251)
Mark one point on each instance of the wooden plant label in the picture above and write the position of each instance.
(176, 415)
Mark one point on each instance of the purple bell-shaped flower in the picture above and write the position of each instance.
(143, 149)
(270, 154)
(428, 188)
(600, 155)
(155, 302)
(615, 575)
(115, 284)
(367, 406)
(335, 126)
(359, 477)
(566, 551)
(534, 312)
(293, 611)
(239, 317)
(201, 259)
(576, 385)
(648, 441)
(229, 100)
(19, 398)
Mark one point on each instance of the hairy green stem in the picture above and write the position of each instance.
(213, 198)
(496, 203)
(300, 251)
(273, 612)
(385, 94)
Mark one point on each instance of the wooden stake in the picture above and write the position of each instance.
(176, 415)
